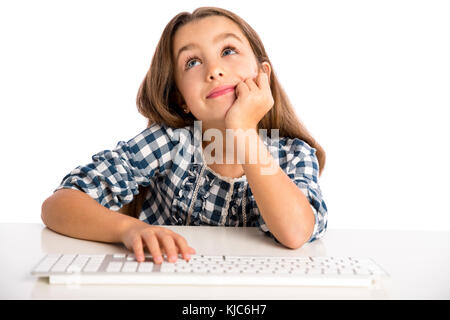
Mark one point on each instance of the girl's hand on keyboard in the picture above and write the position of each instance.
(158, 240)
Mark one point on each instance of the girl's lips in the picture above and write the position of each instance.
(220, 93)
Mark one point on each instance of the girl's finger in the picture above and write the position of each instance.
(251, 84)
(183, 246)
(151, 241)
(138, 249)
(263, 80)
(242, 88)
(169, 245)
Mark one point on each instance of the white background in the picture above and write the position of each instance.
(369, 79)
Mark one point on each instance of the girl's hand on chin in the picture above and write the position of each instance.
(253, 100)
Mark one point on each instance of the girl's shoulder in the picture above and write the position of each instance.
(159, 135)
(290, 147)
(158, 132)
(297, 157)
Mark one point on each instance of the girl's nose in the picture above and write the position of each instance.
(220, 74)
(215, 73)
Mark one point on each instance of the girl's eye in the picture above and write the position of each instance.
(188, 64)
(188, 61)
(229, 48)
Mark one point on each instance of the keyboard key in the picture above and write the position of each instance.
(315, 271)
(332, 271)
(346, 271)
(232, 258)
(362, 261)
(181, 262)
(93, 265)
(281, 271)
(184, 270)
(114, 267)
(129, 266)
(63, 263)
(299, 259)
(79, 262)
(47, 263)
(167, 267)
(266, 271)
(216, 269)
(215, 258)
(232, 271)
(299, 271)
(73, 268)
(250, 270)
(145, 267)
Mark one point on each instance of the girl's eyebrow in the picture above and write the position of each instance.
(218, 38)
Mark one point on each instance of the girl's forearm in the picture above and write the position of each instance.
(76, 214)
(283, 206)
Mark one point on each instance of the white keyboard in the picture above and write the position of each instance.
(210, 270)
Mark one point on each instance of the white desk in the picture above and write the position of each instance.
(418, 262)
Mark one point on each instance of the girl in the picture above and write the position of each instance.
(209, 67)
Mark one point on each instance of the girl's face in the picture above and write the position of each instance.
(217, 54)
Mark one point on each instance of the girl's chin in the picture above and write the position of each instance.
(218, 115)
(224, 103)
(220, 107)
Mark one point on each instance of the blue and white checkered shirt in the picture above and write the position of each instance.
(183, 190)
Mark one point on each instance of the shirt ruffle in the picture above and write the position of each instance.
(236, 205)
(203, 209)
(201, 213)
(181, 201)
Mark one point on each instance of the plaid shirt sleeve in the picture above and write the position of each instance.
(299, 161)
(113, 176)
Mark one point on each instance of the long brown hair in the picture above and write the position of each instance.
(159, 100)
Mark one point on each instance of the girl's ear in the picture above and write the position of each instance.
(265, 66)
(180, 101)
(179, 98)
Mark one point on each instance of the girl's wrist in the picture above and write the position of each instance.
(247, 145)
(126, 224)
(237, 125)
